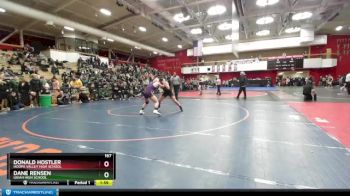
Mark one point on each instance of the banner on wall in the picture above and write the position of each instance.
(198, 48)
(195, 70)
(285, 62)
(276, 63)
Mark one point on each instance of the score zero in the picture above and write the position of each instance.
(106, 164)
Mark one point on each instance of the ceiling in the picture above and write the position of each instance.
(157, 17)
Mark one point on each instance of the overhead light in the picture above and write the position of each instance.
(68, 28)
(49, 23)
(216, 10)
(155, 52)
(228, 37)
(110, 40)
(264, 3)
(264, 20)
(2, 10)
(181, 18)
(105, 12)
(292, 30)
(263, 33)
(208, 40)
(196, 31)
(84, 48)
(143, 29)
(225, 26)
(300, 72)
(232, 37)
(137, 48)
(179, 46)
(301, 16)
(165, 39)
(339, 28)
(208, 26)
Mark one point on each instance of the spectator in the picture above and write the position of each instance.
(75, 85)
(324, 81)
(84, 95)
(55, 70)
(24, 91)
(347, 81)
(200, 85)
(14, 102)
(35, 88)
(63, 97)
(342, 83)
(218, 86)
(55, 89)
(329, 81)
(3, 94)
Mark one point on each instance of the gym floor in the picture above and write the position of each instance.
(271, 140)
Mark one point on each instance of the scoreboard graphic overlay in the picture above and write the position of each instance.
(69, 169)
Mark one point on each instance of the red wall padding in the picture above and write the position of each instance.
(343, 65)
(172, 64)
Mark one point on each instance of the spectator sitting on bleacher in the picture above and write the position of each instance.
(55, 89)
(84, 95)
(63, 97)
(3, 94)
(347, 81)
(329, 80)
(55, 70)
(46, 88)
(14, 102)
(75, 86)
(76, 83)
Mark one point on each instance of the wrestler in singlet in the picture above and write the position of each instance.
(168, 92)
(148, 94)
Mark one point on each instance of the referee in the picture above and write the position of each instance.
(218, 85)
(175, 81)
(242, 85)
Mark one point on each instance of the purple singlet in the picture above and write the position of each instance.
(149, 90)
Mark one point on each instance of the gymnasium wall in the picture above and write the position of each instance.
(334, 42)
(121, 56)
(174, 63)
(263, 53)
(36, 42)
(8, 47)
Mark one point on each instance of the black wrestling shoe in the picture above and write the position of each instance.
(181, 108)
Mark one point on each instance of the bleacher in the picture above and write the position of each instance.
(16, 68)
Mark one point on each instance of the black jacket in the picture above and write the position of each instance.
(23, 87)
(35, 85)
(242, 81)
(307, 89)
